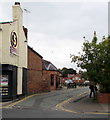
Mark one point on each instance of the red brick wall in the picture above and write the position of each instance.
(35, 82)
(34, 60)
(103, 97)
(47, 77)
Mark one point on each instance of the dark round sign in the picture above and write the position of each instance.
(13, 39)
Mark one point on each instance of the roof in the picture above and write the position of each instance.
(34, 51)
(77, 75)
(48, 66)
(7, 22)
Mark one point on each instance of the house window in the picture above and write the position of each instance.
(52, 79)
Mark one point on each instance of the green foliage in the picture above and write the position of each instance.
(96, 60)
(84, 75)
(66, 71)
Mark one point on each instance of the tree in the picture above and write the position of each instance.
(66, 71)
(96, 60)
(84, 75)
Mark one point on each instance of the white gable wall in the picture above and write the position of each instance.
(20, 59)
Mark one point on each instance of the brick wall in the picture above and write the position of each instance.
(35, 81)
(38, 80)
(34, 60)
(47, 77)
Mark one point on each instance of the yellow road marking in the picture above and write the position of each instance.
(10, 105)
(95, 113)
(2, 103)
(60, 106)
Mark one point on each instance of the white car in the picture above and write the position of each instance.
(68, 81)
(86, 82)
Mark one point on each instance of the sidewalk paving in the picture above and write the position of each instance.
(84, 104)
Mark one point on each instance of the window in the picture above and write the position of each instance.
(52, 79)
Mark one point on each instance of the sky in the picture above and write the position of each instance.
(56, 29)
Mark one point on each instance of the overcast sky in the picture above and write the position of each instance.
(56, 29)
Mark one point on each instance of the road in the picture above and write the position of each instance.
(44, 106)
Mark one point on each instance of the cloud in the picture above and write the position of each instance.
(55, 50)
(59, 28)
(56, 29)
(6, 11)
(69, 21)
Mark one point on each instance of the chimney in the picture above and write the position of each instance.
(17, 13)
(17, 3)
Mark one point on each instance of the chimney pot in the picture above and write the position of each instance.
(17, 3)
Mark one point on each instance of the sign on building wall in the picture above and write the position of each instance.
(4, 85)
(4, 80)
(13, 43)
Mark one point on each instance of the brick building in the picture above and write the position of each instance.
(42, 75)
(35, 81)
(77, 78)
(51, 74)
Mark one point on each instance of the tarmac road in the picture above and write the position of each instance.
(46, 105)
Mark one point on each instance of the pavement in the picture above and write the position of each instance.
(84, 104)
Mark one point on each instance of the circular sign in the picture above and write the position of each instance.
(13, 39)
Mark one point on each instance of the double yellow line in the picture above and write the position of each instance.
(60, 106)
(12, 104)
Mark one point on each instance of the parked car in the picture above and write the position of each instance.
(86, 83)
(70, 84)
(68, 81)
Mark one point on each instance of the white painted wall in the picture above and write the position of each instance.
(19, 60)
(0, 44)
